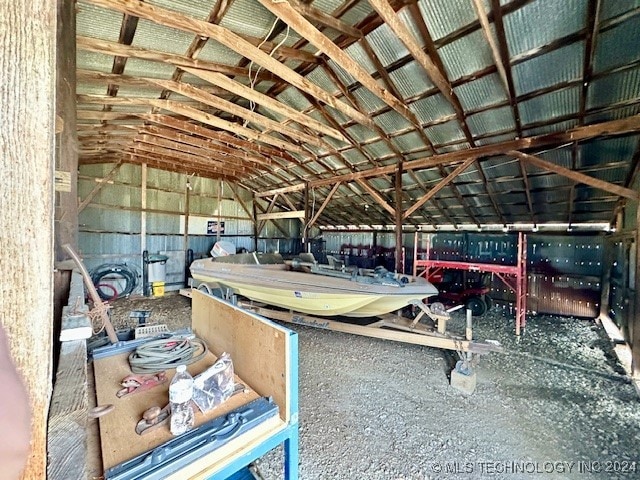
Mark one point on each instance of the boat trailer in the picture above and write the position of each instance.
(396, 328)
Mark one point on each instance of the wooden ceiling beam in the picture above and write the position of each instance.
(394, 22)
(613, 127)
(250, 116)
(577, 176)
(104, 116)
(318, 16)
(96, 77)
(439, 186)
(219, 136)
(231, 40)
(127, 32)
(225, 160)
(500, 53)
(113, 48)
(295, 20)
(326, 201)
(268, 102)
(194, 114)
(227, 152)
(189, 158)
(376, 196)
(171, 166)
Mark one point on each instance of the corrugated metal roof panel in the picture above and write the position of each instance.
(494, 120)
(454, 148)
(446, 16)
(432, 108)
(386, 45)
(508, 186)
(541, 22)
(408, 142)
(611, 174)
(153, 36)
(554, 104)
(94, 61)
(560, 65)
(613, 114)
(321, 79)
(471, 189)
(147, 68)
(361, 133)
(559, 156)
(97, 22)
(235, 18)
(445, 132)
(613, 8)
(391, 122)
(410, 80)
(218, 53)
(604, 151)
(499, 167)
(91, 89)
(378, 149)
(368, 101)
(614, 88)
(466, 55)
(483, 92)
(142, 92)
(198, 9)
(291, 96)
(547, 180)
(356, 52)
(554, 127)
(495, 139)
(345, 77)
(542, 197)
(623, 40)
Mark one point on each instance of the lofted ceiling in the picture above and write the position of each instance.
(374, 112)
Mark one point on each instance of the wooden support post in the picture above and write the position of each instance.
(220, 186)
(635, 321)
(27, 143)
(66, 213)
(256, 232)
(143, 215)
(398, 219)
(187, 197)
(306, 226)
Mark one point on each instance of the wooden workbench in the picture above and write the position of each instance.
(265, 359)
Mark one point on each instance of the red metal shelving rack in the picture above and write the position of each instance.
(513, 276)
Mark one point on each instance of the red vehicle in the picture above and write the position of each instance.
(458, 287)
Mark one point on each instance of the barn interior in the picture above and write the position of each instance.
(493, 142)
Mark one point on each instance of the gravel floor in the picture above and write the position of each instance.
(553, 405)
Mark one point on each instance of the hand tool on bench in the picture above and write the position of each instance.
(154, 417)
(138, 383)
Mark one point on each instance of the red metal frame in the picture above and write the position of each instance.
(513, 276)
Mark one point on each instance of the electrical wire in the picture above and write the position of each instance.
(117, 271)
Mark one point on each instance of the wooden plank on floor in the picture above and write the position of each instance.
(67, 437)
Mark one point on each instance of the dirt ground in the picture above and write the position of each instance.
(554, 405)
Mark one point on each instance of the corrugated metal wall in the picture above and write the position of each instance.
(564, 272)
(110, 226)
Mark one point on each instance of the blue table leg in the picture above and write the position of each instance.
(291, 453)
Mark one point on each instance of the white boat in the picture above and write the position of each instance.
(310, 288)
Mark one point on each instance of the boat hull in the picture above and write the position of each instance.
(309, 293)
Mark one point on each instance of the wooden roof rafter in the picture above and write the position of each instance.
(230, 40)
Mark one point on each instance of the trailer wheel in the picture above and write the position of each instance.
(489, 301)
(476, 305)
